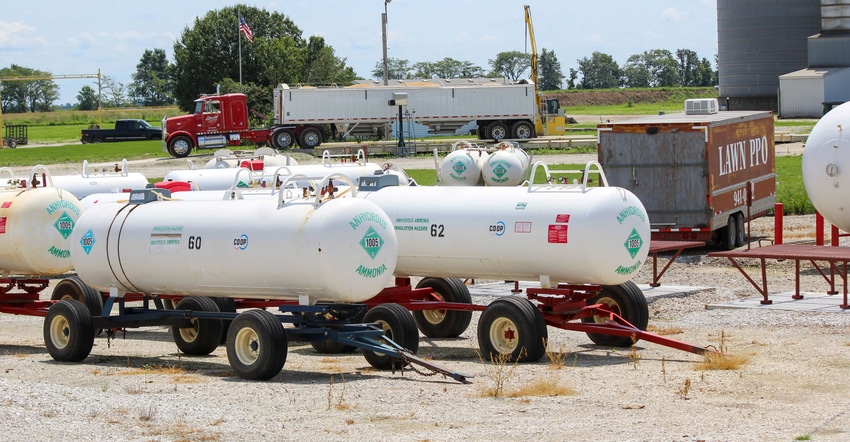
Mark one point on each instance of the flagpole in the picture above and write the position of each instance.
(239, 37)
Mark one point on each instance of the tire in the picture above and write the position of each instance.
(512, 328)
(256, 345)
(444, 323)
(74, 288)
(283, 139)
(522, 130)
(398, 325)
(97, 140)
(333, 347)
(626, 300)
(13, 143)
(740, 230)
(180, 146)
(481, 132)
(205, 334)
(225, 305)
(68, 331)
(310, 138)
(496, 131)
(728, 234)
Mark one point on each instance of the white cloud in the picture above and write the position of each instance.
(17, 35)
(674, 15)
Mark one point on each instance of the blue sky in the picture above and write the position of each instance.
(81, 37)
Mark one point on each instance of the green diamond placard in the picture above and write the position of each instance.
(64, 225)
(500, 170)
(633, 243)
(459, 168)
(372, 243)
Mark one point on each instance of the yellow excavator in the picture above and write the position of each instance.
(552, 120)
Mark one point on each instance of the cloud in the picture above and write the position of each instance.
(673, 15)
(17, 35)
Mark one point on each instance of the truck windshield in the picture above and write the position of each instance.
(199, 106)
(144, 125)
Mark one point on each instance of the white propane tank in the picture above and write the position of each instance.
(222, 179)
(507, 166)
(341, 250)
(35, 225)
(102, 181)
(225, 158)
(462, 167)
(547, 233)
(826, 166)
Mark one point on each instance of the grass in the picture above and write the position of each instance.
(722, 360)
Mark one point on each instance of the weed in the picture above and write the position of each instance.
(558, 358)
(803, 437)
(721, 360)
(543, 387)
(683, 392)
(499, 371)
(337, 401)
(134, 389)
(664, 368)
(664, 331)
(633, 355)
(148, 415)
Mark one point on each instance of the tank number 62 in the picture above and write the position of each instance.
(194, 243)
(437, 230)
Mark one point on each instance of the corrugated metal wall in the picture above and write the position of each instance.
(802, 97)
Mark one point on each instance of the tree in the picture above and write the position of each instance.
(323, 67)
(151, 82)
(511, 64)
(652, 68)
(550, 75)
(27, 95)
(600, 71)
(114, 92)
(87, 98)
(397, 68)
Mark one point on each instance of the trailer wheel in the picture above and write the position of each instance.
(496, 131)
(627, 301)
(256, 345)
(522, 130)
(74, 288)
(399, 326)
(512, 328)
(740, 229)
(444, 323)
(283, 139)
(728, 234)
(180, 146)
(225, 305)
(310, 138)
(68, 331)
(205, 333)
(13, 143)
(333, 347)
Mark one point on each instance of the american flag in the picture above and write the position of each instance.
(243, 28)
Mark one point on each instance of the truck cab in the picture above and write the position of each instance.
(215, 123)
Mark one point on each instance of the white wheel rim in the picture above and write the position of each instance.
(246, 345)
(60, 332)
(189, 334)
(435, 317)
(504, 336)
(610, 305)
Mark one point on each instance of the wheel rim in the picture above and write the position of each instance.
(504, 336)
(284, 140)
(435, 317)
(498, 132)
(246, 345)
(610, 305)
(523, 132)
(180, 147)
(60, 332)
(189, 334)
(311, 138)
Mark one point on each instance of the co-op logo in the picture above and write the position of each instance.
(240, 243)
(497, 229)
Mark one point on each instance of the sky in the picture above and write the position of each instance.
(71, 38)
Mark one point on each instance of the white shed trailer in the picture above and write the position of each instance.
(808, 93)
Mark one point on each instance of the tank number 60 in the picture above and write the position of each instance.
(194, 243)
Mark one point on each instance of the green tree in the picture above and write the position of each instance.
(550, 74)
(652, 68)
(397, 69)
(323, 67)
(511, 64)
(27, 95)
(600, 71)
(114, 92)
(151, 84)
(87, 98)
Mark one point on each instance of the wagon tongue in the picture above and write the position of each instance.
(413, 360)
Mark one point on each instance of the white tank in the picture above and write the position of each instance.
(225, 158)
(35, 226)
(342, 250)
(100, 181)
(507, 166)
(550, 233)
(226, 178)
(462, 167)
(826, 166)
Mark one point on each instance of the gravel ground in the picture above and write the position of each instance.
(137, 387)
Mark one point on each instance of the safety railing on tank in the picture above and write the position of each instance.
(550, 180)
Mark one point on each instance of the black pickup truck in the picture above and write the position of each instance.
(125, 130)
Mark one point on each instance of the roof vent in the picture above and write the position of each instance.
(701, 106)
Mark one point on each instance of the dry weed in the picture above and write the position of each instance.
(722, 360)
(543, 387)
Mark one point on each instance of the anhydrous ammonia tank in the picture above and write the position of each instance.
(462, 167)
(35, 226)
(342, 250)
(826, 166)
(551, 234)
(507, 166)
(92, 180)
(222, 179)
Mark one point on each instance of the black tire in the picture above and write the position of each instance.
(398, 325)
(13, 143)
(522, 130)
(496, 131)
(480, 132)
(333, 347)
(310, 138)
(283, 139)
(205, 334)
(180, 146)
(728, 234)
(626, 300)
(256, 345)
(74, 288)
(225, 305)
(740, 230)
(512, 328)
(444, 323)
(68, 331)
(97, 140)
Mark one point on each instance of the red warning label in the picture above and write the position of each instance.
(6, 205)
(562, 218)
(557, 234)
(3, 224)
